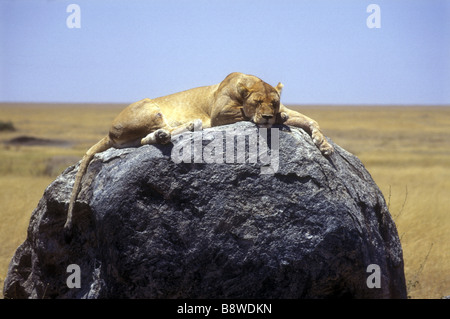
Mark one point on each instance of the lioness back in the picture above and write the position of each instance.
(188, 105)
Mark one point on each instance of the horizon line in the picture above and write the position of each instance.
(62, 104)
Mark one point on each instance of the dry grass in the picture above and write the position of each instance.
(406, 150)
(25, 171)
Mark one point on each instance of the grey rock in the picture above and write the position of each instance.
(148, 227)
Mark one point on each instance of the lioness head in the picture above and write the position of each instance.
(261, 102)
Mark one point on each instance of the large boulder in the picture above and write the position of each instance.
(161, 222)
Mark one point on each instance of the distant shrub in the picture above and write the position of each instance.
(6, 126)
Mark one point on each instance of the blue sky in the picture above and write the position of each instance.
(322, 50)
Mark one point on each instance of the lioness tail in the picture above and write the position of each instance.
(101, 146)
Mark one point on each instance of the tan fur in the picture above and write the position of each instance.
(239, 97)
(221, 104)
(140, 123)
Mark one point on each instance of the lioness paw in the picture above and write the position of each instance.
(317, 137)
(281, 117)
(326, 148)
(195, 125)
(321, 142)
(198, 125)
(162, 136)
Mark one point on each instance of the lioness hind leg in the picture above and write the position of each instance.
(195, 125)
(161, 136)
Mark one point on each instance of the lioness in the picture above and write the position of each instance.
(239, 97)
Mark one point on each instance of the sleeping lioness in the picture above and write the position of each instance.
(239, 97)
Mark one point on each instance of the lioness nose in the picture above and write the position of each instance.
(267, 116)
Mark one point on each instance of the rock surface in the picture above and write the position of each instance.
(149, 227)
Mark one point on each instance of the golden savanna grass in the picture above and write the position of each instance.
(406, 150)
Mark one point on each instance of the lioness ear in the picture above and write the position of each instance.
(243, 91)
(279, 87)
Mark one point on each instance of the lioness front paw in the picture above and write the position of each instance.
(321, 142)
(281, 118)
(162, 136)
(326, 148)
